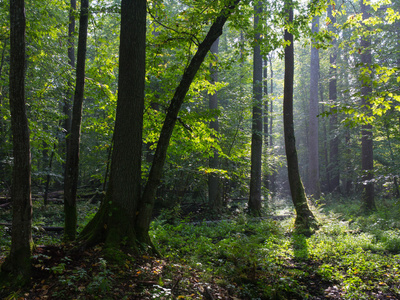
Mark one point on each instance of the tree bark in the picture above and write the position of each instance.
(18, 262)
(367, 159)
(305, 220)
(313, 147)
(266, 126)
(69, 97)
(271, 123)
(73, 140)
(114, 223)
(256, 128)
(333, 167)
(214, 193)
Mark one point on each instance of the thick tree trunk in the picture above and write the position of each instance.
(313, 147)
(115, 221)
(73, 140)
(333, 167)
(18, 261)
(256, 128)
(214, 192)
(367, 159)
(305, 220)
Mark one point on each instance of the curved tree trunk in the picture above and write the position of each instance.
(73, 140)
(147, 203)
(18, 262)
(256, 128)
(305, 220)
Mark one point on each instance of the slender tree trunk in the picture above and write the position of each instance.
(256, 128)
(18, 262)
(69, 97)
(392, 157)
(266, 127)
(73, 140)
(305, 220)
(333, 167)
(271, 123)
(349, 169)
(313, 151)
(2, 124)
(48, 177)
(214, 193)
(367, 159)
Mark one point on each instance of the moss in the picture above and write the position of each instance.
(16, 269)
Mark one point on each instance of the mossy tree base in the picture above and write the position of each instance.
(15, 272)
(116, 228)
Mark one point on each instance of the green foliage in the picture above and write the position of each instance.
(101, 282)
(258, 257)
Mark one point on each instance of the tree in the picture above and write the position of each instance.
(18, 261)
(367, 159)
(256, 128)
(71, 61)
(313, 161)
(271, 123)
(333, 167)
(266, 123)
(305, 220)
(73, 139)
(124, 217)
(214, 194)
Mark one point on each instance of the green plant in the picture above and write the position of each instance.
(102, 281)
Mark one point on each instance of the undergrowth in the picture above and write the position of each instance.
(352, 256)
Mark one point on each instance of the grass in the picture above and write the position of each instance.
(351, 256)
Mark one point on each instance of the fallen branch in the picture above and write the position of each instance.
(5, 205)
(280, 217)
(45, 228)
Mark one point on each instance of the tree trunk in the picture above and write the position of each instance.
(214, 193)
(146, 209)
(2, 123)
(333, 167)
(313, 152)
(18, 262)
(69, 97)
(115, 220)
(73, 140)
(305, 220)
(256, 128)
(271, 120)
(367, 159)
(266, 127)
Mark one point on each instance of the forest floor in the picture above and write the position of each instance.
(351, 256)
